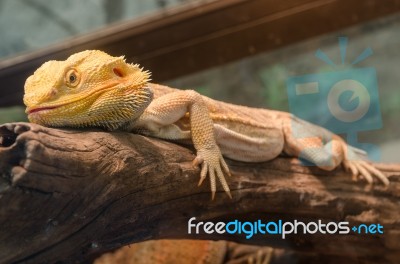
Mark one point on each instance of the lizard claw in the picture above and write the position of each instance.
(213, 165)
(363, 169)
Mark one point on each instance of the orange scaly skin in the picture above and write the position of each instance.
(188, 251)
(92, 88)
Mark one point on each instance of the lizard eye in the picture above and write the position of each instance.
(72, 78)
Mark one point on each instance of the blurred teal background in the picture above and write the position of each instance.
(260, 81)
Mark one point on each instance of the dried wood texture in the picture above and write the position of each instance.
(66, 195)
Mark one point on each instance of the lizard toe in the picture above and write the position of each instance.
(212, 183)
(225, 166)
(203, 174)
(365, 173)
(365, 170)
(222, 180)
(349, 166)
(375, 172)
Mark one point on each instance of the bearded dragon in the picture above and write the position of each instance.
(94, 89)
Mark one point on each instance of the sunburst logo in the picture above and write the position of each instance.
(345, 100)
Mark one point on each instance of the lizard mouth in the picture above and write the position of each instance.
(39, 109)
(43, 108)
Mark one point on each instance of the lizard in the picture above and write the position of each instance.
(94, 89)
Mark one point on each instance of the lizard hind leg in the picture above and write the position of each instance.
(334, 153)
(326, 156)
(327, 150)
(353, 160)
(312, 143)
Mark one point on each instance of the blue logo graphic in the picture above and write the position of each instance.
(344, 101)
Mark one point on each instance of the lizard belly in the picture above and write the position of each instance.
(261, 144)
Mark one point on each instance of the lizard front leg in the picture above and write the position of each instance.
(158, 120)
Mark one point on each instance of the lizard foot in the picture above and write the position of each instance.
(261, 257)
(364, 169)
(213, 164)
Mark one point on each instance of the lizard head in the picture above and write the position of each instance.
(90, 88)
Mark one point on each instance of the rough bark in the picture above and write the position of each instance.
(66, 195)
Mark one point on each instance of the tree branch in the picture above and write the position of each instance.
(69, 194)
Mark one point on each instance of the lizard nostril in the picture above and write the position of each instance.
(118, 72)
(53, 92)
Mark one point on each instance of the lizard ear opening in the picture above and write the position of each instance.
(118, 72)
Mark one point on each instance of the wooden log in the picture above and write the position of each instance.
(66, 195)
